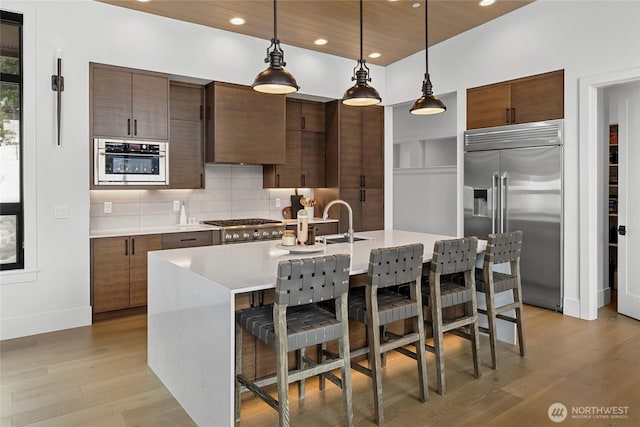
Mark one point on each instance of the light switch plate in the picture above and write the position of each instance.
(176, 205)
(108, 207)
(61, 212)
(278, 203)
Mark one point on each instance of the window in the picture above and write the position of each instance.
(11, 197)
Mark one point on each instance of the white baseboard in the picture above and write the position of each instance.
(571, 307)
(604, 297)
(39, 323)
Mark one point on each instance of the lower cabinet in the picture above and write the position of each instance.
(119, 266)
(119, 271)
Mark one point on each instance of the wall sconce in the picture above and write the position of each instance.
(57, 85)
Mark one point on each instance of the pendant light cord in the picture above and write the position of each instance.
(275, 20)
(361, 32)
(426, 38)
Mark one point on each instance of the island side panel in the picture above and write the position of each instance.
(190, 340)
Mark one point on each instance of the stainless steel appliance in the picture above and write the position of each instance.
(128, 162)
(513, 181)
(246, 230)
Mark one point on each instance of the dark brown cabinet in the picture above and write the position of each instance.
(244, 126)
(129, 103)
(355, 164)
(305, 149)
(529, 99)
(119, 271)
(186, 147)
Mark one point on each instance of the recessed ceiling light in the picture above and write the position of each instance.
(237, 21)
(320, 42)
(375, 55)
(144, 1)
(415, 5)
(487, 2)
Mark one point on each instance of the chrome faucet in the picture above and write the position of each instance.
(325, 215)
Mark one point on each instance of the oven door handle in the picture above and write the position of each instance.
(102, 153)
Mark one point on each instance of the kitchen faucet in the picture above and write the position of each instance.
(325, 215)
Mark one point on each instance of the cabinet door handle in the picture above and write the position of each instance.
(304, 181)
(513, 115)
(304, 122)
(364, 195)
(277, 180)
(201, 112)
(135, 127)
(201, 180)
(128, 126)
(364, 180)
(133, 246)
(507, 116)
(126, 247)
(189, 240)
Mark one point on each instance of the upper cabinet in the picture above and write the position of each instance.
(186, 147)
(129, 103)
(244, 126)
(529, 99)
(305, 159)
(355, 164)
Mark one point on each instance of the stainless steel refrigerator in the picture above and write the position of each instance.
(513, 181)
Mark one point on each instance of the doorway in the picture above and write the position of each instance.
(594, 125)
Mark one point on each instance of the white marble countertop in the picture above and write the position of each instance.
(137, 231)
(252, 266)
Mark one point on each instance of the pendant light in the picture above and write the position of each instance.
(275, 79)
(361, 94)
(427, 103)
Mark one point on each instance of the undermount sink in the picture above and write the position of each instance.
(344, 239)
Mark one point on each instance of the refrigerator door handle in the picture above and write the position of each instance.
(494, 199)
(503, 202)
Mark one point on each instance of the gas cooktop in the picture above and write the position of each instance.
(250, 222)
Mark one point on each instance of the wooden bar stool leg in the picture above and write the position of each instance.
(375, 358)
(491, 319)
(520, 325)
(282, 368)
(321, 358)
(438, 335)
(418, 325)
(301, 384)
(344, 352)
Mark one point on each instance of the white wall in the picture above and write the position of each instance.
(53, 292)
(582, 37)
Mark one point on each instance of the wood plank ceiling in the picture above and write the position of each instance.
(395, 29)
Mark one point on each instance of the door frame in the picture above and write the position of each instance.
(590, 213)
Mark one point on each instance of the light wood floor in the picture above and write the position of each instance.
(97, 376)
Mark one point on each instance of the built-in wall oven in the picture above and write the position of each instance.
(130, 162)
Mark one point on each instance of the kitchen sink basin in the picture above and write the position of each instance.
(344, 239)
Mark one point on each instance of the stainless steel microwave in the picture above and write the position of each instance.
(130, 162)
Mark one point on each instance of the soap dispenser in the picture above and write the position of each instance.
(183, 215)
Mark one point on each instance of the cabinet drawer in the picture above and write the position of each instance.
(187, 239)
(326, 228)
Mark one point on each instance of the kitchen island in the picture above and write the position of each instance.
(191, 304)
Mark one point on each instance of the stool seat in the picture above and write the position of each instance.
(307, 325)
(391, 306)
(501, 282)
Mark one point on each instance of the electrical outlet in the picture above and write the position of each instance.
(108, 207)
(277, 203)
(176, 205)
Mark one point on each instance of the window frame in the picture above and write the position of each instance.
(17, 209)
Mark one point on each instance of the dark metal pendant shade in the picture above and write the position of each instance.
(427, 103)
(361, 94)
(275, 79)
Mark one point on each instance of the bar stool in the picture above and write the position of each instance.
(376, 306)
(452, 259)
(502, 248)
(294, 322)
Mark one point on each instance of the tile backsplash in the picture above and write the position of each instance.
(231, 191)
